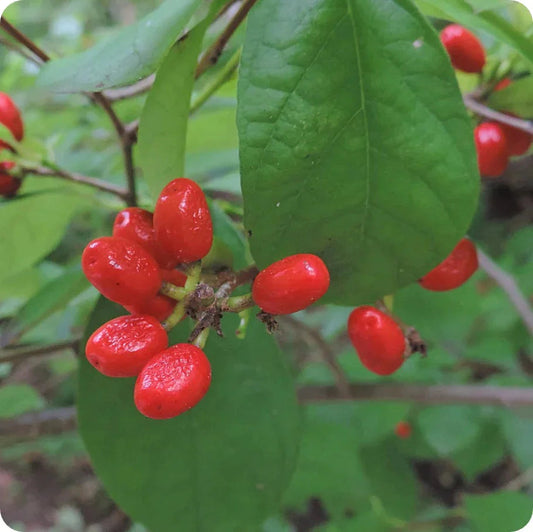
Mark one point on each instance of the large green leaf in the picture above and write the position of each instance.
(468, 14)
(125, 57)
(499, 512)
(221, 466)
(32, 226)
(163, 124)
(354, 142)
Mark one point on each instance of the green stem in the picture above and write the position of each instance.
(221, 77)
(173, 291)
(201, 339)
(240, 333)
(238, 303)
(177, 315)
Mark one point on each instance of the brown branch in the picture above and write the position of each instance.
(81, 179)
(327, 354)
(426, 394)
(35, 424)
(509, 285)
(213, 53)
(130, 91)
(24, 40)
(16, 354)
(21, 51)
(482, 110)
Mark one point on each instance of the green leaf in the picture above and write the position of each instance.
(221, 466)
(435, 422)
(518, 428)
(163, 123)
(354, 142)
(464, 13)
(15, 399)
(53, 296)
(516, 98)
(391, 479)
(36, 225)
(498, 512)
(130, 54)
(328, 466)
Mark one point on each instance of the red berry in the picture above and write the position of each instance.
(403, 429)
(502, 84)
(182, 222)
(172, 382)
(8, 184)
(491, 147)
(378, 340)
(122, 347)
(10, 116)
(136, 224)
(454, 270)
(291, 284)
(518, 141)
(160, 306)
(464, 48)
(121, 270)
(5, 146)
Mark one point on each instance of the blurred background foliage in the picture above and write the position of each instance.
(464, 468)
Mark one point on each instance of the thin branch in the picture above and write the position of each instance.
(426, 394)
(35, 424)
(82, 179)
(18, 354)
(213, 53)
(24, 40)
(482, 110)
(122, 93)
(342, 384)
(21, 51)
(509, 285)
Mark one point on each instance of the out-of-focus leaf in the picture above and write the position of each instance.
(15, 399)
(125, 57)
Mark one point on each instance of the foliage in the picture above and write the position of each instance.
(347, 132)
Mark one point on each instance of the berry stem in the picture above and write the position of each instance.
(177, 315)
(240, 333)
(173, 291)
(201, 339)
(238, 303)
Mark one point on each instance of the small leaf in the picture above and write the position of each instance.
(163, 123)
(486, 20)
(391, 479)
(518, 428)
(450, 428)
(221, 466)
(516, 98)
(15, 399)
(130, 54)
(360, 150)
(36, 225)
(498, 512)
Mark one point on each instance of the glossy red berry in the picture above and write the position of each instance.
(122, 347)
(464, 48)
(403, 429)
(378, 340)
(8, 184)
(121, 270)
(518, 141)
(182, 221)
(491, 147)
(291, 284)
(172, 382)
(160, 306)
(454, 270)
(136, 224)
(10, 116)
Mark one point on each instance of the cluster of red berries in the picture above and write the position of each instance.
(379, 340)
(130, 267)
(495, 142)
(11, 118)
